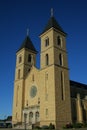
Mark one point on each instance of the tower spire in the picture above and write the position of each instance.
(51, 12)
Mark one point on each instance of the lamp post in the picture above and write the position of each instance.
(5, 118)
(25, 116)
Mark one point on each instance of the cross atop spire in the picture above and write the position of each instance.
(51, 12)
(27, 31)
(52, 23)
(27, 44)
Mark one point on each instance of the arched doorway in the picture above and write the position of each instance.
(37, 117)
(30, 117)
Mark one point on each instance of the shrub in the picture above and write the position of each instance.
(51, 126)
(37, 127)
(85, 125)
(78, 125)
(69, 125)
(45, 127)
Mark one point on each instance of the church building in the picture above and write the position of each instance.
(47, 95)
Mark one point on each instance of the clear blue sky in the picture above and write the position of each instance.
(18, 15)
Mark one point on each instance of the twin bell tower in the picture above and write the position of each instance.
(43, 95)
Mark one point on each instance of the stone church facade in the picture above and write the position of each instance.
(46, 95)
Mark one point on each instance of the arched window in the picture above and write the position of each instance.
(20, 59)
(29, 58)
(47, 42)
(37, 116)
(62, 86)
(25, 117)
(46, 112)
(19, 74)
(16, 115)
(30, 117)
(26, 102)
(29, 70)
(47, 59)
(17, 92)
(59, 41)
(46, 86)
(60, 59)
(33, 77)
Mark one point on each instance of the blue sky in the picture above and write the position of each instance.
(18, 15)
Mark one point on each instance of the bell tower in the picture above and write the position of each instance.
(54, 63)
(25, 58)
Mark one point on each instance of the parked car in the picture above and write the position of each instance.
(8, 125)
(45, 127)
(2, 125)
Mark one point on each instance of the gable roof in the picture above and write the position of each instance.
(78, 88)
(78, 85)
(27, 43)
(33, 68)
(53, 23)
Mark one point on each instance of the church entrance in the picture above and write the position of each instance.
(32, 115)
